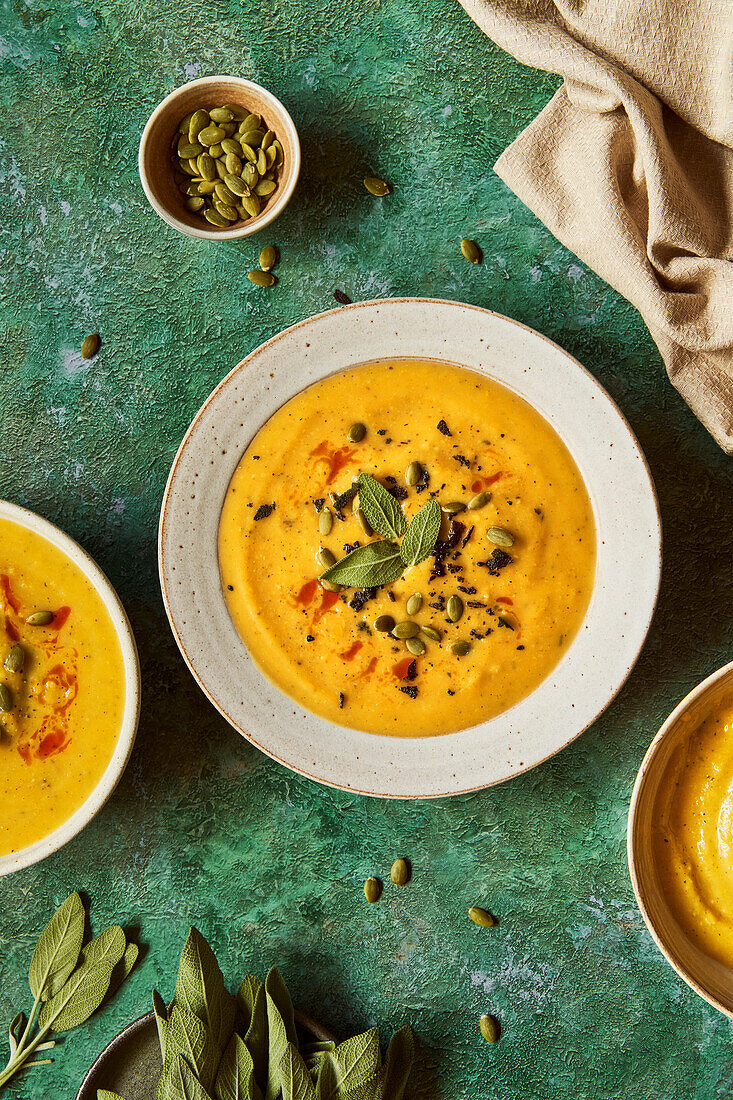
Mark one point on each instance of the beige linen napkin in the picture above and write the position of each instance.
(630, 165)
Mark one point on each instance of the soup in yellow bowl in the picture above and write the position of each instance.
(407, 548)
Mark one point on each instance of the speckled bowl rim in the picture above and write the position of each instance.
(634, 838)
(399, 767)
(34, 853)
(253, 226)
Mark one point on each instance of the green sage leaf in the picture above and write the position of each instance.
(79, 998)
(277, 991)
(398, 1064)
(161, 1019)
(108, 948)
(235, 1079)
(187, 1036)
(200, 988)
(358, 1060)
(15, 1031)
(179, 1082)
(381, 509)
(422, 534)
(295, 1079)
(124, 967)
(374, 564)
(107, 1094)
(57, 950)
(252, 1005)
(277, 1044)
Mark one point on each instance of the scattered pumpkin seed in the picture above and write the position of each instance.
(90, 346)
(325, 516)
(356, 432)
(372, 890)
(454, 608)
(325, 558)
(500, 536)
(471, 251)
(405, 630)
(416, 646)
(400, 873)
(40, 618)
(365, 524)
(384, 624)
(431, 633)
(330, 586)
(481, 917)
(355, 504)
(15, 659)
(453, 507)
(489, 1028)
(377, 187)
(414, 604)
(413, 473)
(6, 699)
(268, 258)
(459, 649)
(266, 278)
(478, 501)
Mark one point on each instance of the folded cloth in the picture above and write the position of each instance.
(630, 165)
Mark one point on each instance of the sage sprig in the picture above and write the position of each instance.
(68, 980)
(210, 1052)
(380, 508)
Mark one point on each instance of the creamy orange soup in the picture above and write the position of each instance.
(522, 599)
(61, 710)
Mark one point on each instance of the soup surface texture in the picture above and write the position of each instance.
(521, 603)
(67, 700)
(693, 834)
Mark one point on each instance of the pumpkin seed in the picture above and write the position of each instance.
(453, 507)
(193, 188)
(15, 659)
(356, 432)
(384, 624)
(189, 167)
(268, 139)
(251, 122)
(211, 135)
(405, 630)
(195, 203)
(221, 169)
(206, 187)
(471, 251)
(414, 604)
(223, 193)
(249, 153)
(355, 506)
(268, 258)
(376, 186)
(265, 188)
(325, 518)
(280, 154)
(252, 205)
(413, 473)
(250, 175)
(365, 524)
(90, 346)
(481, 917)
(400, 872)
(185, 123)
(215, 218)
(500, 536)
(372, 890)
(454, 608)
(459, 649)
(231, 145)
(229, 128)
(233, 164)
(431, 633)
(40, 618)
(325, 558)
(238, 113)
(6, 699)
(489, 1028)
(416, 646)
(221, 114)
(254, 138)
(199, 119)
(226, 210)
(261, 162)
(216, 150)
(205, 164)
(188, 149)
(478, 501)
(271, 156)
(266, 278)
(237, 186)
(329, 585)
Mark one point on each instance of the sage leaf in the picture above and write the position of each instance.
(179, 1082)
(397, 1066)
(277, 1044)
(78, 999)
(57, 950)
(327, 1082)
(380, 508)
(376, 563)
(108, 947)
(295, 1079)
(277, 991)
(252, 1005)
(161, 1020)
(187, 1036)
(106, 1094)
(124, 967)
(200, 988)
(15, 1031)
(422, 534)
(357, 1059)
(235, 1078)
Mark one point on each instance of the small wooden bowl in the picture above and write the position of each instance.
(154, 158)
(711, 979)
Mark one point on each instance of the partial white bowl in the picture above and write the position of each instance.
(711, 979)
(73, 825)
(627, 528)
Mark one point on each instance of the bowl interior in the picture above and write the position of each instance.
(708, 977)
(156, 152)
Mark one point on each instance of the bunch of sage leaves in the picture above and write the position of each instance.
(69, 980)
(218, 1047)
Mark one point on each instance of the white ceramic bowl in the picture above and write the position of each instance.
(711, 979)
(55, 840)
(627, 526)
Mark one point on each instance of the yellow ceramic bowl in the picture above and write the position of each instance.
(708, 977)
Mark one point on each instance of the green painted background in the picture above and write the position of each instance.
(203, 828)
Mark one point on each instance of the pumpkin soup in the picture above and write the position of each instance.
(407, 548)
(693, 833)
(61, 687)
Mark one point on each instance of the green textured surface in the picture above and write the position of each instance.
(203, 828)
